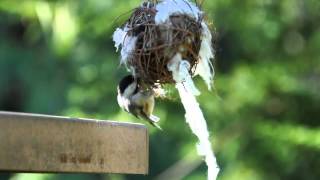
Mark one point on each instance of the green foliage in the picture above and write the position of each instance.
(57, 57)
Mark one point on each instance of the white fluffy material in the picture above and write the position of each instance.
(166, 8)
(195, 119)
(118, 37)
(128, 43)
(180, 73)
(205, 67)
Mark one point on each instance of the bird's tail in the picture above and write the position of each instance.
(157, 126)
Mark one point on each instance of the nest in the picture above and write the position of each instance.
(157, 44)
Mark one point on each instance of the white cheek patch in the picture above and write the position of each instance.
(129, 91)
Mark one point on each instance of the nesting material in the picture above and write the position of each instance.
(153, 35)
(197, 122)
(169, 41)
(180, 73)
(166, 8)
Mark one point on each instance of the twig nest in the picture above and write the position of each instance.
(156, 32)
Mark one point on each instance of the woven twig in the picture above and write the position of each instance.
(158, 43)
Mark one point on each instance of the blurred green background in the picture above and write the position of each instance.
(57, 57)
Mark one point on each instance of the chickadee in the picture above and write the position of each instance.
(136, 101)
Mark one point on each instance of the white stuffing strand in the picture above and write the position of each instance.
(180, 73)
(195, 119)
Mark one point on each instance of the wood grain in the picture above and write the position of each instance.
(41, 143)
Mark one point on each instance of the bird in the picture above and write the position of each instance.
(137, 101)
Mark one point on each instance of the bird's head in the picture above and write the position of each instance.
(127, 86)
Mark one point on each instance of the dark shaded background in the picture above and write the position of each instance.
(57, 57)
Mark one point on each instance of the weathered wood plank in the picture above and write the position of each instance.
(41, 143)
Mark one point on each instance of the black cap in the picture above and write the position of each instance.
(124, 83)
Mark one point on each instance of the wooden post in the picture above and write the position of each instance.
(41, 143)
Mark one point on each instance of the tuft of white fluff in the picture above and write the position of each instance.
(118, 37)
(166, 8)
(127, 43)
(197, 123)
(180, 73)
(205, 67)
